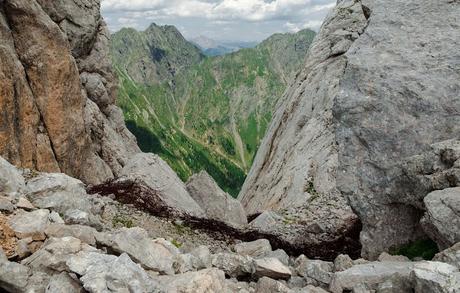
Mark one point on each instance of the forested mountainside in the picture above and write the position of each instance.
(201, 112)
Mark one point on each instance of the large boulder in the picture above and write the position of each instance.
(234, 265)
(266, 284)
(371, 274)
(217, 204)
(11, 181)
(136, 243)
(52, 257)
(434, 277)
(316, 272)
(13, 276)
(30, 224)
(442, 218)
(450, 256)
(312, 230)
(105, 273)
(149, 183)
(83, 233)
(255, 248)
(419, 277)
(51, 73)
(272, 268)
(65, 195)
(63, 283)
(204, 281)
(371, 96)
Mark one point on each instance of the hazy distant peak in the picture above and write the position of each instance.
(204, 42)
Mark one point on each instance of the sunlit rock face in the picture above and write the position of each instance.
(58, 90)
(380, 86)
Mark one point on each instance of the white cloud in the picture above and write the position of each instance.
(295, 27)
(294, 14)
(249, 10)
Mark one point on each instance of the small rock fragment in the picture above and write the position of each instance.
(254, 249)
(272, 268)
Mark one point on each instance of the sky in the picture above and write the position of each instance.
(223, 20)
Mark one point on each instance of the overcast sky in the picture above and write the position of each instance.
(234, 20)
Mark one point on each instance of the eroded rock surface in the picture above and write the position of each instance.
(442, 218)
(214, 201)
(371, 96)
(52, 71)
(129, 254)
(148, 182)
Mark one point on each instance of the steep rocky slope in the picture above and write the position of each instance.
(379, 87)
(57, 238)
(58, 90)
(202, 114)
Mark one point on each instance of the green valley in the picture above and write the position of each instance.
(201, 112)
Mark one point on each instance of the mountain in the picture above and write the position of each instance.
(207, 113)
(154, 56)
(211, 47)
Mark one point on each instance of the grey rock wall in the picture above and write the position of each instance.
(380, 86)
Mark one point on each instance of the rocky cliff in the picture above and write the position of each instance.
(57, 90)
(379, 87)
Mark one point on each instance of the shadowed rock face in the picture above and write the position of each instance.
(58, 90)
(380, 86)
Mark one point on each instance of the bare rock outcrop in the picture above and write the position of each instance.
(51, 255)
(371, 96)
(442, 218)
(58, 90)
(214, 201)
(149, 183)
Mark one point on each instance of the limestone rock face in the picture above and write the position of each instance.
(442, 217)
(139, 247)
(11, 180)
(30, 224)
(450, 256)
(208, 280)
(370, 274)
(371, 96)
(148, 182)
(54, 64)
(100, 272)
(256, 248)
(216, 203)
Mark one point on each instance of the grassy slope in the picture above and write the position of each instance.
(207, 113)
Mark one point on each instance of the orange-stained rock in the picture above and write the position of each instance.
(58, 89)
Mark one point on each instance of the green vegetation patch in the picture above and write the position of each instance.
(193, 110)
(425, 249)
(123, 221)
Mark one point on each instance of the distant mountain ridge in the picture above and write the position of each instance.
(211, 47)
(201, 112)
